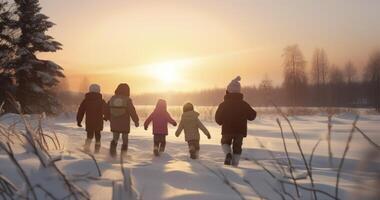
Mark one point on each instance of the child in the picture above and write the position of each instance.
(93, 106)
(191, 125)
(120, 111)
(233, 114)
(160, 118)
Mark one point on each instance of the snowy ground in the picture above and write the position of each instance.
(175, 176)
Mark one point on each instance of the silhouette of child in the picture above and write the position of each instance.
(232, 114)
(120, 112)
(191, 125)
(160, 118)
(93, 106)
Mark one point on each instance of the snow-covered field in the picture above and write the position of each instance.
(174, 175)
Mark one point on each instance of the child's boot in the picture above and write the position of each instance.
(227, 150)
(97, 147)
(113, 148)
(87, 145)
(162, 148)
(155, 150)
(192, 152)
(196, 154)
(235, 160)
(124, 149)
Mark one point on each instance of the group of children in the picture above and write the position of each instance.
(232, 114)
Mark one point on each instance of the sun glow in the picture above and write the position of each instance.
(169, 71)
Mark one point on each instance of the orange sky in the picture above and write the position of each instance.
(193, 45)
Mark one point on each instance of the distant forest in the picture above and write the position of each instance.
(322, 85)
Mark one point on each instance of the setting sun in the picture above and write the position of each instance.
(169, 71)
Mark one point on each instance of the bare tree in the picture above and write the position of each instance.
(295, 80)
(372, 76)
(319, 68)
(319, 75)
(350, 72)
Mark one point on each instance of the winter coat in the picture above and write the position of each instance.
(191, 125)
(160, 118)
(120, 111)
(233, 113)
(93, 106)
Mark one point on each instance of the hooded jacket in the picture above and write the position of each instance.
(191, 125)
(121, 110)
(232, 114)
(93, 106)
(160, 118)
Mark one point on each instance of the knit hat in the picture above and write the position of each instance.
(94, 88)
(234, 86)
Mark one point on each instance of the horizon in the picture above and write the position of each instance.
(178, 46)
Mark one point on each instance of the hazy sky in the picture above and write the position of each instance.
(192, 45)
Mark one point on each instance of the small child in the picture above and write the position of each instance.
(120, 112)
(232, 114)
(191, 125)
(160, 118)
(93, 106)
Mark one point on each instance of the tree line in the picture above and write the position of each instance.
(328, 84)
(24, 78)
(318, 84)
(323, 84)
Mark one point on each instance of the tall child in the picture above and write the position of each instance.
(160, 118)
(232, 114)
(93, 106)
(191, 125)
(121, 111)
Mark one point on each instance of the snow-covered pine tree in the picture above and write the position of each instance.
(35, 77)
(7, 33)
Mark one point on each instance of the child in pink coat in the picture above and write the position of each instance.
(160, 118)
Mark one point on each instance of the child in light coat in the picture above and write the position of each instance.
(160, 118)
(191, 125)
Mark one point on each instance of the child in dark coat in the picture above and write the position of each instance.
(191, 125)
(160, 118)
(232, 114)
(120, 112)
(93, 106)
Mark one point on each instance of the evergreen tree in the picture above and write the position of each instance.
(34, 77)
(7, 33)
